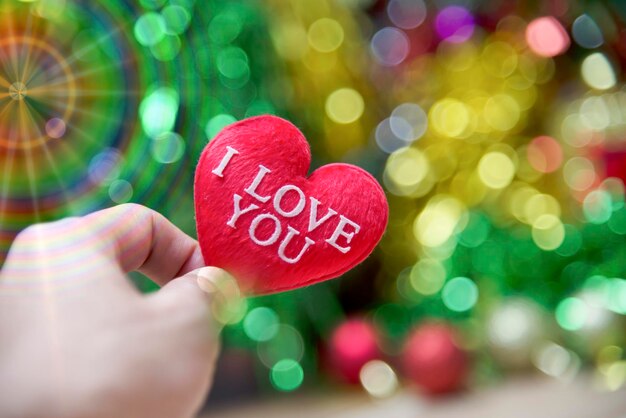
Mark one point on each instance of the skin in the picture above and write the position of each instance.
(78, 340)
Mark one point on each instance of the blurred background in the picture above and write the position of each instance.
(497, 128)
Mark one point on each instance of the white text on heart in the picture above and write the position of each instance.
(345, 229)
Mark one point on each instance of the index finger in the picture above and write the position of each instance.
(140, 239)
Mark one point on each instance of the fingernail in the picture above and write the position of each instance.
(227, 300)
(208, 279)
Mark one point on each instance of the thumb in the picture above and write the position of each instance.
(205, 288)
(186, 316)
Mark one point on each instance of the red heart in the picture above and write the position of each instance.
(260, 218)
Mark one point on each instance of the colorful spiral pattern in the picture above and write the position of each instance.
(105, 102)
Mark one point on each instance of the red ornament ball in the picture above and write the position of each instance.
(352, 344)
(433, 360)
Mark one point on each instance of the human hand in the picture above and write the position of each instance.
(78, 340)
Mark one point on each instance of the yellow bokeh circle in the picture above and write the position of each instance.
(496, 170)
(325, 35)
(451, 118)
(548, 232)
(345, 105)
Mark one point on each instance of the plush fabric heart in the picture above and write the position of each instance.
(260, 218)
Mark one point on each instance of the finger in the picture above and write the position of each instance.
(208, 290)
(138, 238)
(182, 310)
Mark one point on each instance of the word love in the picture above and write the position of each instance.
(288, 251)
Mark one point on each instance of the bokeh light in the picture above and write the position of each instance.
(499, 59)
(598, 72)
(586, 32)
(496, 170)
(515, 325)
(406, 171)
(232, 63)
(167, 48)
(225, 26)
(455, 24)
(548, 232)
(217, 123)
(540, 204)
(427, 276)
(579, 173)
(597, 206)
(150, 29)
(159, 110)
(408, 122)
(545, 154)
(438, 221)
(228, 307)
(386, 140)
(56, 128)
(287, 375)
(325, 35)
(353, 343)
(120, 191)
(286, 342)
(344, 105)
(572, 314)
(407, 14)
(378, 379)
(502, 112)
(390, 46)
(168, 147)
(556, 361)
(177, 19)
(261, 324)
(476, 231)
(616, 375)
(460, 294)
(450, 117)
(105, 166)
(547, 37)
